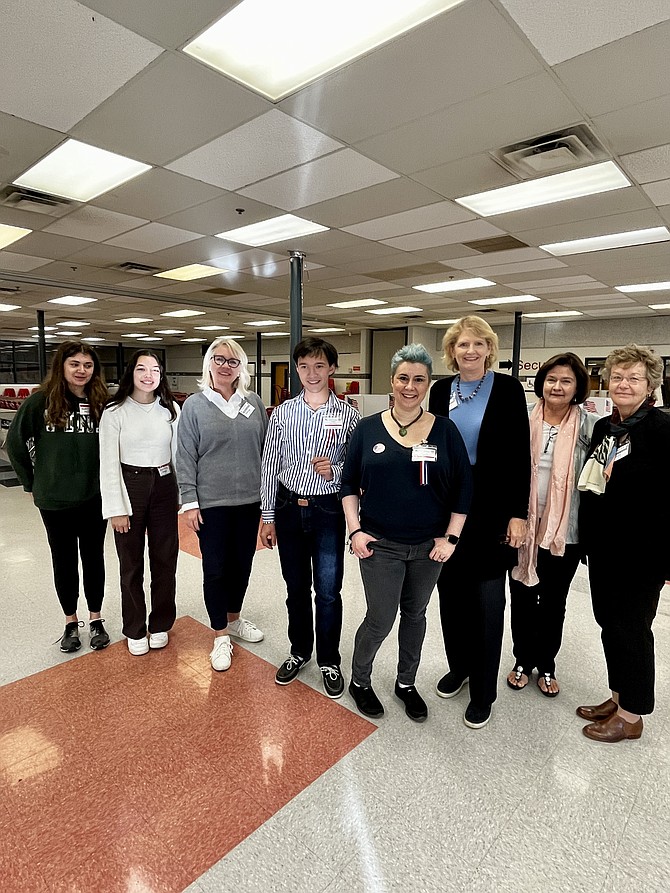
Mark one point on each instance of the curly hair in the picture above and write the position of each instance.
(56, 389)
(480, 328)
(632, 354)
(127, 385)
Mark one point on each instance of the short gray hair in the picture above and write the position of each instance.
(412, 353)
(631, 355)
(243, 379)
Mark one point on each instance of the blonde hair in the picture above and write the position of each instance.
(243, 380)
(480, 328)
(632, 354)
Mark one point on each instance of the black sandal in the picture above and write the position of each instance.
(547, 677)
(518, 673)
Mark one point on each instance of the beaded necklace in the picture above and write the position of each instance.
(461, 398)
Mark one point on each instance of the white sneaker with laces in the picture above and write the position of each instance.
(158, 640)
(222, 652)
(245, 630)
(138, 646)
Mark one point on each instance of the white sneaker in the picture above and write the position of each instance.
(158, 640)
(245, 630)
(221, 653)
(138, 646)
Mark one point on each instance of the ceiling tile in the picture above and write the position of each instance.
(594, 300)
(169, 109)
(465, 176)
(153, 237)
(416, 220)
(363, 289)
(521, 267)
(532, 106)
(20, 263)
(659, 192)
(22, 144)
(604, 80)
(58, 62)
(583, 229)
(636, 127)
(157, 194)
(445, 235)
(318, 180)
(269, 144)
(497, 257)
(221, 213)
(566, 28)
(94, 224)
(51, 245)
(649, 165)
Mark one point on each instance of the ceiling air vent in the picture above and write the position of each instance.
(9, 289)
(222, 291)
(37, 202)
(551, 153)
(141, 269)
(497, 243)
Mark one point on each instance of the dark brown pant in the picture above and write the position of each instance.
(155, 503)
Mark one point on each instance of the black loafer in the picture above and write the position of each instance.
(99, 637)
(70, 641)
(415, 706)
(366, 700)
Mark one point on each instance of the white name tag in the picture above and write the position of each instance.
(332, 423)
(424, 452)
(622, 451)
(246, 409)
(163, 470)
(453, 402)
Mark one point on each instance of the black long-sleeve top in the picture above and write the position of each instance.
(393, 503)
(501, 473)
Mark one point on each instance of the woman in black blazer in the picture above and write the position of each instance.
(489, 410)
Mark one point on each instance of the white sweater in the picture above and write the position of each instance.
(132, 433)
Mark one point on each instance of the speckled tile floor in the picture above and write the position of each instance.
(155, 775)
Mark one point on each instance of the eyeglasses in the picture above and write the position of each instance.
(631, 379)
(553, 433)
(221, 361)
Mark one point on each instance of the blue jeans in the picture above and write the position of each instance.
(310, 540)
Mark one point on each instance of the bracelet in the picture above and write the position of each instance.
(353, 534)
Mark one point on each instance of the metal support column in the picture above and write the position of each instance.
(259, 359)
(296, 263)
(15, 377)
(41, 345)
(516, 346)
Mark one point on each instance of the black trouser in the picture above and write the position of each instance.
(625, 601)
(538, 611)
(74, 532)
(155, 503)
(472, 612)
(228, 537)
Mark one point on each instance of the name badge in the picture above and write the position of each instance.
(332, 423)
(246, 409)
(424, 452)
(622, 451)
(453, 402)
(164, 469)
(84, 410)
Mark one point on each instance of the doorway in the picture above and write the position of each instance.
(279, 380)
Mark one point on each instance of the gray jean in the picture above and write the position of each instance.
(395, 576)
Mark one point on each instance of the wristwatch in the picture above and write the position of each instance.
(452, 538)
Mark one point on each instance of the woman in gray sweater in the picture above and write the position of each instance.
(219, 443)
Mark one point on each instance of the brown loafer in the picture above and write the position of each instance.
(598, 711)
(614, 729)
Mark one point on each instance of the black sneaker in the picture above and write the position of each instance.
(333, 681)
(450, 685)
(290, 669)
(366, 700)
(98, 633)
(71, 641)
(415, 706)
(476, 717)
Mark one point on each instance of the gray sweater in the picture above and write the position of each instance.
(219, 458)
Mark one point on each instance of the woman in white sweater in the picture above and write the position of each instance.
(138, 441)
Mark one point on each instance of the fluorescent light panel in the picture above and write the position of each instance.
(659, 306)
(46, 328)
(171, 331)
(549, 313)
(265, 322)
(596, 178)
(131, 320)
(190, 340)
(133, 335)
(72, 300)
(61, 333)
(5, 308)
(78, 322)
(276, 229)
(325, 331)
(362, 302)
(442, 322)
(512, 299)
(149, 338)
(454, 285)
(189, 272)
(210, 328)
(81, 172)
(275, 334)
(92, 339)
(255, 43)
(390, 310)
(613, 240)
(643, 286)
(11, 234)
(184, 313)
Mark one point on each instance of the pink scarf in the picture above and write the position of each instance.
(552, 528)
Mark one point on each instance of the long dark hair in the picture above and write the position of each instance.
(127, 385)
(56, 388)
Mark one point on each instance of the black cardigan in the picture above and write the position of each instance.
(501, 473)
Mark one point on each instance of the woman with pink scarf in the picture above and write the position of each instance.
(560, 432)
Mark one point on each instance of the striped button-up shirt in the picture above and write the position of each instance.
(296, 434)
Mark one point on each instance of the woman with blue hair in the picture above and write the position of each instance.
(406, 489)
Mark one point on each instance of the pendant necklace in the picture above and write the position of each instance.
(471, 396)
(402, 429)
